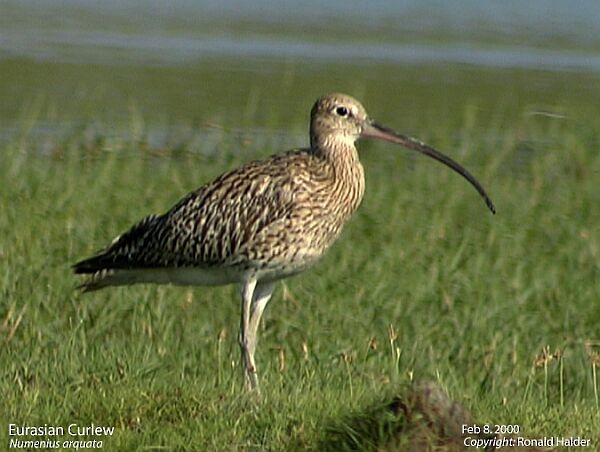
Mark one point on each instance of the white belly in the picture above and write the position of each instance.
(185, 276)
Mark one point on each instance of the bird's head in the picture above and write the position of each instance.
(338, 119)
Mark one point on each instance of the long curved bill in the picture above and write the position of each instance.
(373, 130)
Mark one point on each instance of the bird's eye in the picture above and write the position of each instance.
(341, 111)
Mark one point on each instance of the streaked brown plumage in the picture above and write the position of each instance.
(254, 225)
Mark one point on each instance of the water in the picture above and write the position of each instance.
(546, 34)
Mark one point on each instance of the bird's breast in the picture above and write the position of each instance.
(329, 204)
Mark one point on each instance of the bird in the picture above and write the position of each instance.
(257, 224)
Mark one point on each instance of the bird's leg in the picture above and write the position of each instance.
(247, 338)
(262, 295)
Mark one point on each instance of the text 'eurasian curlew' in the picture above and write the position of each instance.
(259, 223)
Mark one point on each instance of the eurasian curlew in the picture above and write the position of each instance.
(259, 223)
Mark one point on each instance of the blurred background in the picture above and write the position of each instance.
(114, 109)
(251, 66)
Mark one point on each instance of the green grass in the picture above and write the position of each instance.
(425, 284)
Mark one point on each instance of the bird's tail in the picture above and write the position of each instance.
(115, 266)
(99, 280)
(98, 271)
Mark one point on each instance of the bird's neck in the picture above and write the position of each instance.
(339, 150)
(346, 170)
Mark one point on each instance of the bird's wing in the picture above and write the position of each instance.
(213, 225)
